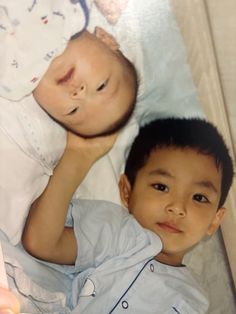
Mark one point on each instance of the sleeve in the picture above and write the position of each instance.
(105, 230)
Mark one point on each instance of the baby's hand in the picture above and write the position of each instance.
(8, 302)
(91, 148)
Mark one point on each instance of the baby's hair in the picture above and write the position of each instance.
(197, 134)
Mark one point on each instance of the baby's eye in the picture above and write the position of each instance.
(102, 86)
(73, 111)
(160, 187)
(200, 198)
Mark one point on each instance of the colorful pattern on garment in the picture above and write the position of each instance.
(32, 34)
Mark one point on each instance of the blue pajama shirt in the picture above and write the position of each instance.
(117, 269)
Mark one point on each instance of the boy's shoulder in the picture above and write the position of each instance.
(98, 209)
(109, 225)
(99, 215)
(115, 216)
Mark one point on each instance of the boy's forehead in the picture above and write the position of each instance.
(166, 152)
(183, 164)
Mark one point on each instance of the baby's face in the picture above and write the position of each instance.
(86, 88)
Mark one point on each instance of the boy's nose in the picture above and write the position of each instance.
(177, 208)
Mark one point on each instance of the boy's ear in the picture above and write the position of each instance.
(106, 38)
(125, 190)
(216, 221)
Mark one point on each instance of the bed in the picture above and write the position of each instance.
(183, 83)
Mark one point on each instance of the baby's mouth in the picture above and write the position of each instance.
(66, 77)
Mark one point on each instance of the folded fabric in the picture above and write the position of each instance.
(32, 297)
(17, 262)
(28, 125)
(27, 159)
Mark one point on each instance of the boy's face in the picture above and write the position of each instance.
(86, 88)
(176, 195)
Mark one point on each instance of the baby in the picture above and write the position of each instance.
(81, 79)
(91, 87)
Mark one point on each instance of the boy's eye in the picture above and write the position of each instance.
(102, 86)
(160, 187)
(200, 198)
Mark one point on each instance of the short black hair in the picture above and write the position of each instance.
(193, 133)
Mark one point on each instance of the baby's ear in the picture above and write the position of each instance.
(216, 221)
(125, 190)
(106, 38)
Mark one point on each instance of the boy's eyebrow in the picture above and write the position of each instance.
(207, 184)
(162, 172)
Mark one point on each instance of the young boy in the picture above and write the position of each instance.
(177, 176)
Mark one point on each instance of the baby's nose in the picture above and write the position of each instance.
(78, 91)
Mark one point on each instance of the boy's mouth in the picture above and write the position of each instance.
(169, 227)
